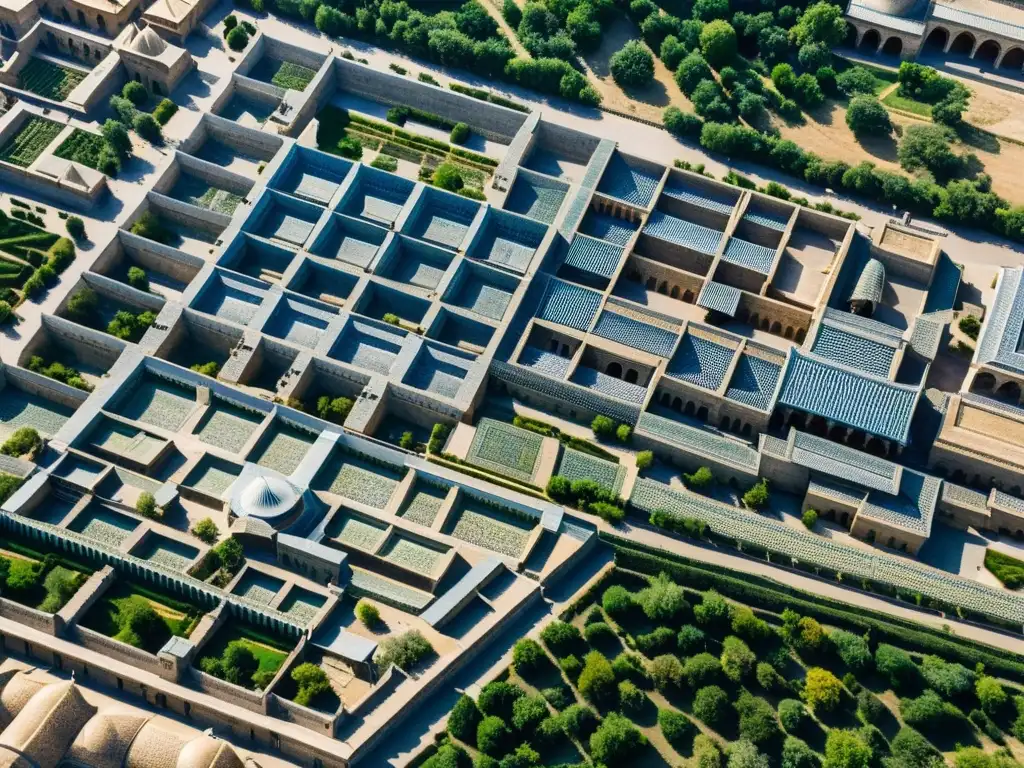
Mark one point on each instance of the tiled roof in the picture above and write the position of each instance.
(912, 508)
(964, 497)
(1014, 411)
(823, 486)
(854, 350)
(507, 240)
(569, 304)
(945, 284)
(629, 180)
(754, 382)
(976, 20)
(576, 465)
(774, 446)
(701, 442)
(1007, 501)
(693, 195)
(536, 196)
(870, 284)
(926, 336)
(1000, 341)
(633, 333)
(719, 297)
(749, 255)
(886, 20)
(777, 222)
(545, 362)
(609, 385)
(700, 362)
(609, 228)
(589, 254)
(853, 399)
(837, 460)
(872, 327)
(694, 236)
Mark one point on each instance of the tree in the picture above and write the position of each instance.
(135, 92)
(737, 659)
(807, 91)
(237, 39)
(856, 80)
(845, 749)
(83, 305)
(597, 681)
(929, 713)
(527, 714)
(603, 427)
(768, 677)
(867, 117)
(617, 602)
(702, 478)
(615, 740)
(145, 505)
(230, 22)
(869, 707)
(701, 670)
(852, 649)
(75, 227)
(709, 10)
(792, 714)
(631, 698)
(948, 678)
(758, 723)
(24, 441)
(714, 611)
(206, 530)
(690, 640)
(405, 651)
(117, 137)
(666, 671)
(796, 754)
(561, 638)
(814, 56)
(311, 681)
(991, 695)
(823, 23)
(644, 459)
(718, 43)
(150, 226)
(447, 176)
(493, 736)
(928, 147)
(367, 613)
(743, 754)
(896, 665)
(784, 78)
(706, 753)
(748, 626)
(756, 496)
(822, 690)
(663, 601)
(578, 721)
(691, 71)
(6, 312)
(809, 518)
(140, 625)
(498, 697)
(147, 127)
(711, 706)
(527, 656)
(912, 750)
(138, 279)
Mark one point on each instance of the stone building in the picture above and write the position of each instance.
(151, 60)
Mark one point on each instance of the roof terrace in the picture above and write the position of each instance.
(310, 175)
(506, 240)
(412, 262)
(375, 196)
(281, 218)
(630, 179)
(441, 217)
(299, 321)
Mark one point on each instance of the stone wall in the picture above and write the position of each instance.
(304, 716)
(114, 649)
(905, 266)
(90, 346)
(49, 623)
(123, 293)
(44, 387)
(158, 257)
(189, 215)
(257, 143)
(87, 595)
(236, 694)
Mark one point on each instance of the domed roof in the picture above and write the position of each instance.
(148, 43)
(154, 747)
(11, 759)
(18, 689)
(870, 284)
(267, 496)
(208, 752)
(45, 728)
(104, 741)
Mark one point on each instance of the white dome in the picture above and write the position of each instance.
(267, 497)
(149, 43)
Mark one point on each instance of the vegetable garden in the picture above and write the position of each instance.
(35, 135)
(82, 147)
(49, 80)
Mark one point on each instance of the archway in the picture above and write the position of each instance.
(1010, 391)
(893, 47)
(651, 284)
(674, 293)
(987, 52)
(983, 382)
(962, 44)
(798, 420)
(851, 36)
(688, 296)
(776, 327)
(724, 423)
(81, 18)
(801, 334)
(937, 39)
(875, 446)
(666, 399)
(1014, 59)
(818, 426)
(690, 409)
(614, 369)
(553, 346)
(632, 376)
(101, 22)
(677, 404)
(65, 15)
(663, 288)
(746, 430)
(871, 40)
(702, 414)
(856, 439)
(789, 332)
(837, 433)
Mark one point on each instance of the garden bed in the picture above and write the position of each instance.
(35, 135)
(44, 581)
(82, 147)
(49, 80)
(270, 652)
(114, 616)
(491, 528)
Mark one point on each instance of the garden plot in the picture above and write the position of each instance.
(283, 448)
(258, 587)
(576, 465)
(82, 147)
(160, 404)
(35, 135)
(195, 191)
(506, 450)
(356, 531)
(212, 476)
(302, 605)
(227, 427)
(49, 80)
(414, 556)
(283, 74)
(359, 480)
(484, 526)
(423, 503)
(271, 651)
(21, 409)
(171, 554)
(177, 617)
(105, 525)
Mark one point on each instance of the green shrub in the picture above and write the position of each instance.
(405, 651)
(598, 632)
(792, 715)
(148, 128)
(237, 39)
(210, 368)
(6, 312)
(711, 706)
(702, 478)
(206, 530)
(690, 640)
(561, 638)
(603, 427)
(596, 682)
(615, 740)
(24, 441)
(497, 699)
(448, 176)
(896, 665)
(137, 278)
(578, 721)
(991, 695)
(367, 613)
(528, 656)
(737, 659)
(460, 133)
(312, 683)
(145, 505)
(644, 459)
(758, 723)
(928, 713)
(666, 671)
(867, 117)
(527, 713)
(797, 754)
(822, 690)
(335, 409)
(493, 736)
(135, 92)
(632, 66)
(663, 601)
(617, 602)
(852, 649)
(675, 727)
(164, 111)
(75, 227)
(756, 496)
(1009, 570)
(629, 666)
(809, 518)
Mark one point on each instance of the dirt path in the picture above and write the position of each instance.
(513, 40)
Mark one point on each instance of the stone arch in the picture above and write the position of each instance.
(983, 382)
(724, 423)
(937, 39)
(666, 399)
(797, 420)
(837, 433)
(553, 346)
(1012, 59)
(789, 332)
(754, 319)
(614, 369)
(632, 375)
(747, 429)
(801, 334)
(85, 49)
(870, 40)
(736, 425)
(776, 327)
(963, 43)
(875, 446)
(101, 22)
(651, 284)
(81, 18)
(851, 36)
(702, 413)
(663, 288)
(1009, 391)
(565, 351)
(690, 409)
(155, 87)
(688, 296)
(893, 46)
(65, 15)
(818, 426)
(856, 439)
(776, 421)
(674, 293)
(988, 51)
(765, 323)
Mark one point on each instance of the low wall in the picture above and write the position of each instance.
(44, 387)
(236, 694)
(114, 649)
(89, 345)
(49, 623)
(383, 688)
(115, 289)
(159, 257)
(87, 595)
(304, 716)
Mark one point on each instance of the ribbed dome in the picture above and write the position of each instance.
(17, 691)
(148, 43)
(870, 284)
(45, 728)
(104, 741)
(267, 497)
(207, 752)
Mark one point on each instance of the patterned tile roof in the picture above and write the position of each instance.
(437, 371)
(964, 497)
(633, 333)
(609, 228)
(823, 486)
(754, 382)
(912, 508)
(609, 385)
(536, 196)
(700, 362)
(719, 297)
(871, 355)
(629, 180)
(544, 362)
(870, 284)
(701, 441)
(576, 465)
(856, 322)
(976, 20)
(749, 255)
(569, 304)
(999, 344)
(848, 397)
(841, 461)
(774, 446)
(886, 20)
(589, 254)
(766, 219)
(945, 284)
(926, 336)
(679, 190)
(694, 236)
(1007, 501)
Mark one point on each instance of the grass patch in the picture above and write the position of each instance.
(293, 76)
(175, 617)
(1009, 570)
(270, 651)
(82, 147)
(904, 104)
(49, 80)
(28, 143)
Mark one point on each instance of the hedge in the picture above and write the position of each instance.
(774, 596)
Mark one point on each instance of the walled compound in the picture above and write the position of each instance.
(312, 318)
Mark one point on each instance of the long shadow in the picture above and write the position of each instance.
(973, 137)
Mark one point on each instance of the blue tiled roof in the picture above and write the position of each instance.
(569, 304)
(701, 441)
(1000, 341)
(976, 20)
(609, 385)
(700, 362)
(610, 228)
(687, 194)
(853, 399)
(536, 196)
(675, 230)
(839, 345)
(589, 254)
(545, 362)
(769, 220)
(912, 508)
(628, 180)
(719, 297)
(945, 284)
(841, 461)
(927, 335)
(749, 255)
(633, 333)
(754, 381)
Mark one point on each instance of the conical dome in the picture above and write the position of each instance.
(148, 43)
(267, 497)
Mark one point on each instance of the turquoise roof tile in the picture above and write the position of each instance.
(588, 254)
(633, 333)
(630, 180)
(694, 236)
(839, 345)
(544, 362)
(754, 382)
(719, 297)
(841, 461)
(609, 385)
(1000, 343)
(569, 304)
(700, 362)
(701, 441)
(749, 255)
